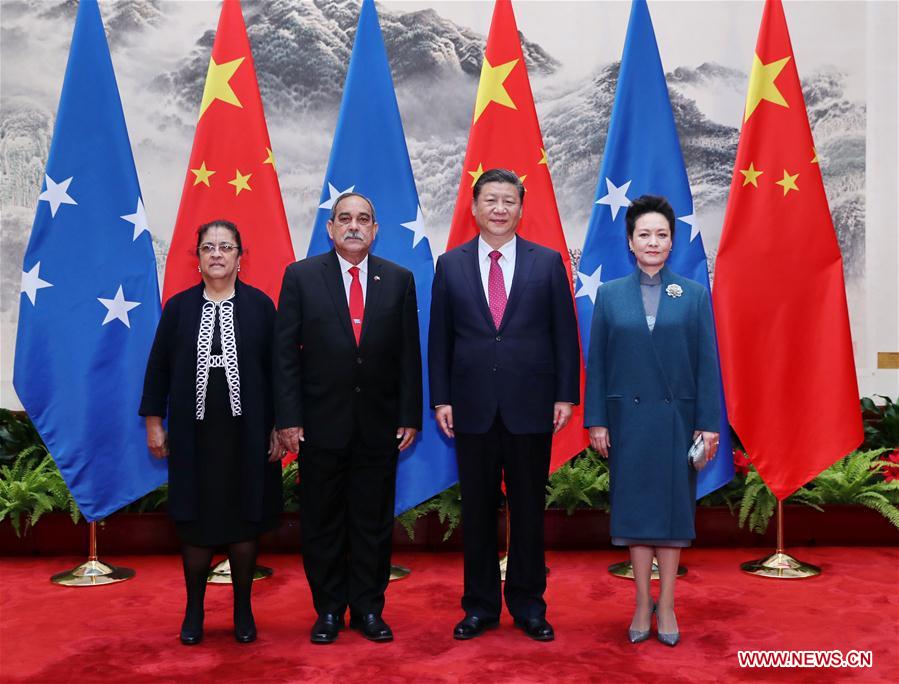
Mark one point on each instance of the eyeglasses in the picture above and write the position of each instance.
(223, 247)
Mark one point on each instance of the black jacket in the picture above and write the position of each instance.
(170, 391)
(327, 385)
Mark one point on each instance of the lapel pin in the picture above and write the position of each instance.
(377, 278)
(674, 290)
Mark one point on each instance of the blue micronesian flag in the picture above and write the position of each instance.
(369, 156)
(90, 298)
(643, 156)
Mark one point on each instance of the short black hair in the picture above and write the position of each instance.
(220, 223)
(352, 194)
(648, 204)
(498, 176)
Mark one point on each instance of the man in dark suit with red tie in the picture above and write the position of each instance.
(504, 372)
(348, 398)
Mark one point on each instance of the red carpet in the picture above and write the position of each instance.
(128, 632)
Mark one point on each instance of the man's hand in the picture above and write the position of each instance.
(157, 439)
(561, 415)
(406, 435)
(444, 416)
(290, 438)
(599, 440)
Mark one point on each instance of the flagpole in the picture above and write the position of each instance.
(92, 572)
(780, 565)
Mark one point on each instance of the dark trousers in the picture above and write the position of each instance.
(346, 513)
(483, 461)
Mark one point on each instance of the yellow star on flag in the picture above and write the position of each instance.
(815, 158)
(521, 178)
(270, 159)
(750, 175)
(240, 182)
(543, 159)
(476, 174)
(202, 175)
(217, 86)
(491, 88)
(788, 183)
(761, 85)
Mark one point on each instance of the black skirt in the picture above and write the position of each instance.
(220, 519)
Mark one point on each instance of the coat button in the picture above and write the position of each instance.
(494, 369)
(636, 400)
(667, 400)
(499, 337)
(358, 389)
(359, 360)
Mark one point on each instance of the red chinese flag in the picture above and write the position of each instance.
(780, 301)
(505, 133)
(231, 174)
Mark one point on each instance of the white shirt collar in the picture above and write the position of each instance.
(346, 265)
(507, 250)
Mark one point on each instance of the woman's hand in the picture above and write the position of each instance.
(157, 439)
(599, 440)
(710, 439)
(275, 450)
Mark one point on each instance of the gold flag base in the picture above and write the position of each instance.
(780, 565)
(398, 572)
(625, 570)
(91, 573)
(220, 573)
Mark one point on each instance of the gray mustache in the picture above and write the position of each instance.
(352, 235)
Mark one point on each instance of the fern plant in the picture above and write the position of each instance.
(758, 503)
(448, 506)
(857, 479)
(582, 482)
(290, 486)
(29, 491)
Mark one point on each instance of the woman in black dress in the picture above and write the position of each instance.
(209, 373)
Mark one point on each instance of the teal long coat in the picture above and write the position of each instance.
(652, 390)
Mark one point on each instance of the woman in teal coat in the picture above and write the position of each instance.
(652, 387)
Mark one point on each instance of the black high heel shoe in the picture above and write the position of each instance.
(245, 630)
(192, 631)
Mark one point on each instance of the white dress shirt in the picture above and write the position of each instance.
(506, 264)
(345, 267)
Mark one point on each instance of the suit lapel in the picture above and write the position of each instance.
(333, 280)
(524, 260)
(655, 342)
(473, 275)
(373, 288)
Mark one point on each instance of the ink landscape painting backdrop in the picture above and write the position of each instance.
(846, 53)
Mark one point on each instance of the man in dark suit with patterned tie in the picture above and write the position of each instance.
(503, 356)
(348, 398)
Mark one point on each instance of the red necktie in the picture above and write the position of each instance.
(496, 289)
(357, 305)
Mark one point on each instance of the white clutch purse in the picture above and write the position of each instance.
(697, 456)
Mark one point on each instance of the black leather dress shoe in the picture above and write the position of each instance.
(326, 627)
(537, 628)
(372, 627)
(472, 626)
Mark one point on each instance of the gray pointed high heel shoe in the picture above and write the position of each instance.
(669, 639)
(635, 636)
